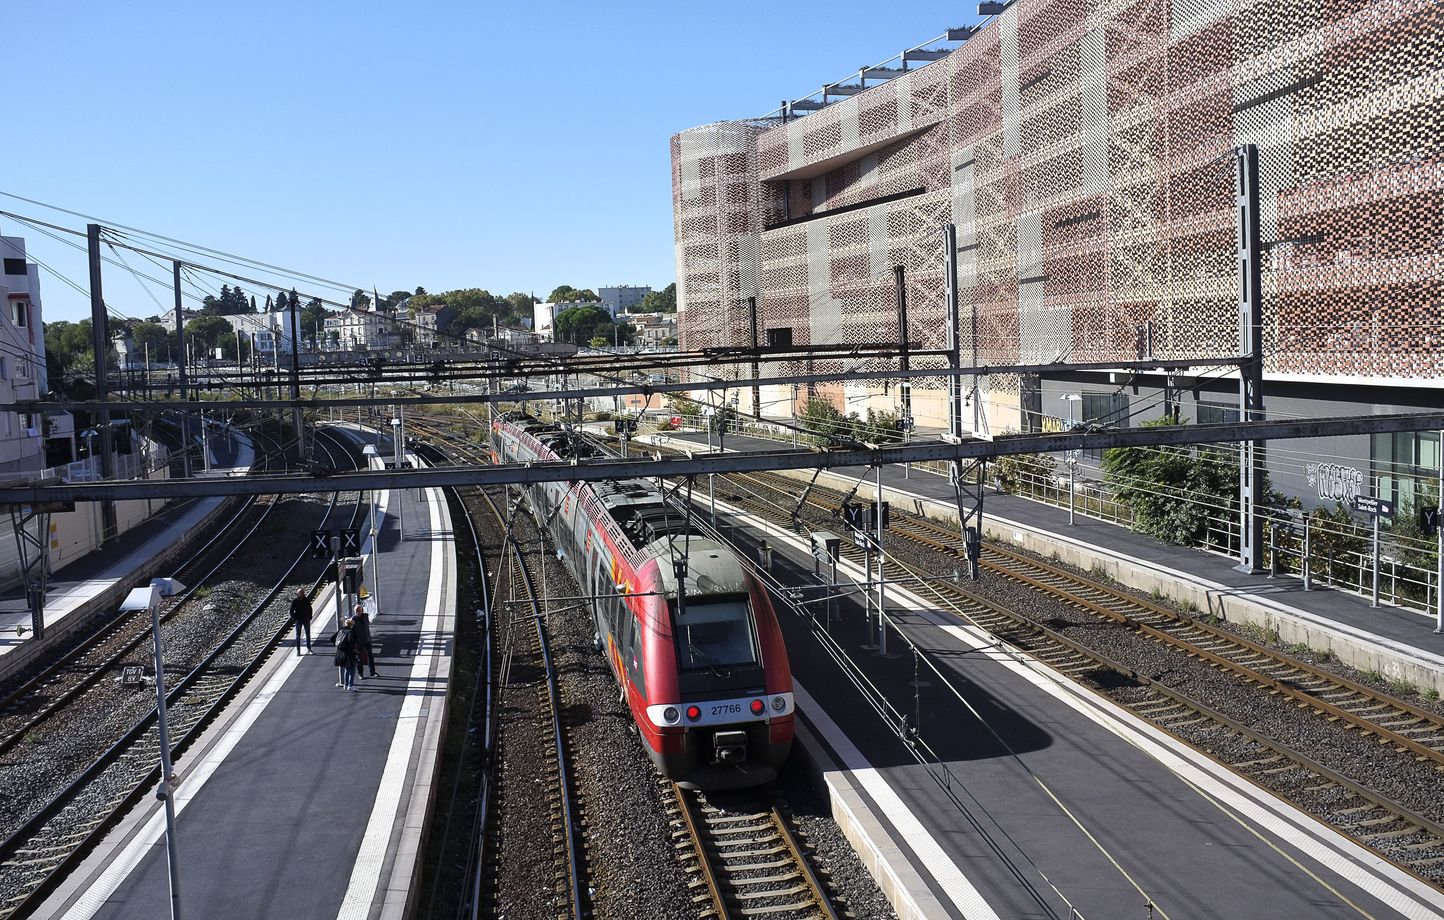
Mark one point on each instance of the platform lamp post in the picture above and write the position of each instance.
(148, 598)
(1071, 456)
(400, 493)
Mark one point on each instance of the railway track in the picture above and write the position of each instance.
(1406, 836)
(747, 860)
(520, 624)
(62, 830)
(1395, 722)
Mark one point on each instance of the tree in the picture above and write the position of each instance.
(68, 349)
(208, 332)
(581, 324)
(565, 293)
(824, 421)
(312, 316)
(232, 302)
(663, 301)
(1173, 491)
(152, 336)
(360, 300)
(520, 305)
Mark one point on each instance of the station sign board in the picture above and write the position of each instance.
(1374, 507)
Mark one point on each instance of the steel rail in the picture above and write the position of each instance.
(110, 630)
(78, 845)
(1307, 697)
(704, 858)
(118, 625)
(566, 789)
(1289, 688)
(1004, 621)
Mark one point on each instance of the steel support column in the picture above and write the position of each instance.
(34, 549)
(969, 496)
(100, 338)
(756, 363)
(1250, 378)
(181, 371)
(955, 337)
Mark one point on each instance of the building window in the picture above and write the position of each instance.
(1405, 463)
(1211, 413)
(15, 267)
(1103, 409)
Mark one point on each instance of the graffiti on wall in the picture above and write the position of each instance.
(1334, 482)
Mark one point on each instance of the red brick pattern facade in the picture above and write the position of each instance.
(1082, 148)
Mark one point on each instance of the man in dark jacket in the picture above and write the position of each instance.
(362, 628)
(301, 614)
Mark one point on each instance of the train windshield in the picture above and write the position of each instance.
(715, 635)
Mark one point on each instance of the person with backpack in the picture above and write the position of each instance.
(345, 641)
(366, 653)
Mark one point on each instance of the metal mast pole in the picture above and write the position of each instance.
(100, 338)
(1250, 376)
(756, 362)
(296, 381)
(903, 362)
(881, 557)
(955, 337)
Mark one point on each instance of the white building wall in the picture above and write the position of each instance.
(22, 361)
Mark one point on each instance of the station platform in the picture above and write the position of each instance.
(1044, 798)
(304, 800)
(1397, 642)
(98, 581)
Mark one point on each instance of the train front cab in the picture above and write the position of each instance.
(726, 668)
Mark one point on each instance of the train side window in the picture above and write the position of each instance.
(634, 656)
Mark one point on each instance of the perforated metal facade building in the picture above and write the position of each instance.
(1083, 150)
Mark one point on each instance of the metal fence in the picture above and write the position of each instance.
(1319, 549)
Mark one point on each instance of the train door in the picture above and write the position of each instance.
(603, 604)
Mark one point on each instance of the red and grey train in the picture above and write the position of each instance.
(690, 635)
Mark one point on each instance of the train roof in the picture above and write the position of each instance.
(655, 528)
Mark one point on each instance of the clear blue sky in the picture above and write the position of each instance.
(510, 146)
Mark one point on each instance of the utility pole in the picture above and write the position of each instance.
(100, 338)
(955, 337)
(756, 360)
(296, 381)
(904, 364)
(881, 615)
(1250, 371)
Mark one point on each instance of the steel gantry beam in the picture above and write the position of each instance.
(599, 470)
(625, 389)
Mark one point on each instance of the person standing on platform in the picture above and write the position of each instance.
(346, 657)
(366, 653)
(301, 614)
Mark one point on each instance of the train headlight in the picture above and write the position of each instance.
(694, 713)
(671, 715)
(758, 707)
(779, 703)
